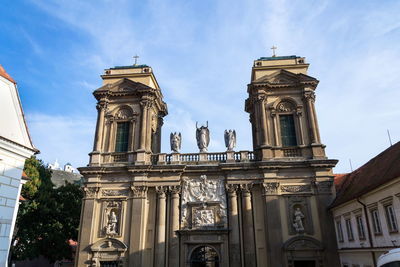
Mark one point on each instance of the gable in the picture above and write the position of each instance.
(287, 78)
(12, 120)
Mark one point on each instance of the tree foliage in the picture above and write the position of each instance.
(48, 218)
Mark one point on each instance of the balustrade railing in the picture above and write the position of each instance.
(220, 157)
(120, 157)
(190, 157)
(291, 152)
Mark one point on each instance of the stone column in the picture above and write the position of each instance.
(173, 253)
(132, 135)
(149, 129)
(159, 257)
(108, 135)
(248, 227)
(300, 127)
(264, 125)
(233, 219)
(310, 96)
(101, 108)
(87, 215)
(144, 104)
(137, 230)
(273, 225)
(275, 126)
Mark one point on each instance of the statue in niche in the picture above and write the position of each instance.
(203, 137)
(175, 140)
(230, 139)
(111, 227)
(298, 220)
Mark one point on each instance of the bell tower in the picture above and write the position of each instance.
(282, 112)
(130, 115)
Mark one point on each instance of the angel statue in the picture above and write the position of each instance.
(176, 140)
(230, 139)
(203, 137)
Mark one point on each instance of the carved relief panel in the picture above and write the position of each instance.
(203, 203)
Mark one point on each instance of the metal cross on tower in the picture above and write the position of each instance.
(273, 50)
(136, 58)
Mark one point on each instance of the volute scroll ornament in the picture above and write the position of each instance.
(231, 188)
(174, 189)
(161, 191)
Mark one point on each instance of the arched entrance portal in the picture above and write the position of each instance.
(204, 256)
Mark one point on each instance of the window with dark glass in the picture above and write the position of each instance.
(349, 230)
(391, 218)
(360, 227)
(376, 222)
(288, 131)
(122, 137)
(339, 231)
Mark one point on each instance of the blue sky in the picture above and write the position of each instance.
(202, 53)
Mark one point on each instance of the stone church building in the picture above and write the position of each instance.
(266, 207)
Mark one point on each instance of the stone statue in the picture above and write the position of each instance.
(230, 139)
(111, 227)
(298, 220)
(176, 140)
(203, 137)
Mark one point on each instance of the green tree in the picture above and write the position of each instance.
(48, 218)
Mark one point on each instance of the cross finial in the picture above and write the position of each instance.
(273, 50)
(136, 57)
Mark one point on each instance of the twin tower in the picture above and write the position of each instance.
(266, 207)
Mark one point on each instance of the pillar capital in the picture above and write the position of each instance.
(139, 191)
(231, 189)
(246, 189)
(161, 191)
(270, 188)
(174, 189)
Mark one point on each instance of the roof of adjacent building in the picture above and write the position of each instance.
(4, 74)
(380, 170)
(278, 58)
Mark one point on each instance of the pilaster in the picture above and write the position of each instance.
(233, 220)
(159, 255)
(173, 248)
(137, 231)
(248, 226)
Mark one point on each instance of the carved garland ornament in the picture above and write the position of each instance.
(296, 188)
(114, 192)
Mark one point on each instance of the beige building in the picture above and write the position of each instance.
(266, 207)
(367, 210)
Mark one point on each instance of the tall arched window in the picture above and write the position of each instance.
(123, 122)
(287, 124)
(122, 137)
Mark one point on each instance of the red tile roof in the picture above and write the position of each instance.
(380, 170)
(4, 74)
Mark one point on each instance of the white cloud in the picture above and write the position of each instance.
(66, 138)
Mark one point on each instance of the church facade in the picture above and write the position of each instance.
(265, 207)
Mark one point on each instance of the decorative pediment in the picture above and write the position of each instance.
(108, 244)
(123, 86)
(285, 78)
(301, 243)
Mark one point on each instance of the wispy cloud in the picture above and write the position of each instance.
(202, 52)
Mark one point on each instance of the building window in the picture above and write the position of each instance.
(391, 218)
(339, 231)
(122, 137)
(288, 131)
(349, 230)
(376, 222)
(360, 228)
